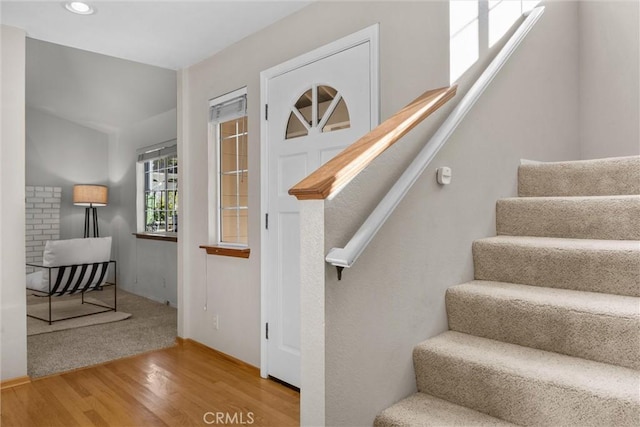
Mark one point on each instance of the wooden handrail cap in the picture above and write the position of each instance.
(340, 170)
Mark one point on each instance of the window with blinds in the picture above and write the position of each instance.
(228, 119)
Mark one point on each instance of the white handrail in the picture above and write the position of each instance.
(345, 257)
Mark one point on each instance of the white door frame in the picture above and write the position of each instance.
(369, 34)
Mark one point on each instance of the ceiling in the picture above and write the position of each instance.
(115, 68)
(169, 34)
(96, 91)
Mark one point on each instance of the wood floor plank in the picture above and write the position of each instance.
(96, 419)
(158, 404)
(177, 386)
(12, 409)
(35, 406)
(68, 414)
(260, 409)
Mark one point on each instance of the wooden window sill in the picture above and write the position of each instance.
(156, 236)
(226, 251)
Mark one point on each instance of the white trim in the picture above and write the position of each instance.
(346, 256)
(264, 185)
(368, 35)
(141, 191)
(140, 213)
(185, 245)
(213, 199)
(213, 181)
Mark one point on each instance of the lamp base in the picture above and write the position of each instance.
(94, 214)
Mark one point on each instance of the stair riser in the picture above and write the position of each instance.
(424, 410)
(524, 401)
(589, 270)
(603, 177)
(601, 338)
(599, 218)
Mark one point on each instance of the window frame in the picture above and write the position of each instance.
(482, 34)
(163, 150)
(215, 173)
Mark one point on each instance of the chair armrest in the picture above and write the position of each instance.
(38, 265)
(113, 261)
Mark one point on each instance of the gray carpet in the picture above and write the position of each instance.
(91, 315)
(152, 326)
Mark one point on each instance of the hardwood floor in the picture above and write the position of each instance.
(186, 385)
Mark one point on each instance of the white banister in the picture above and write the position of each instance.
(345, 257)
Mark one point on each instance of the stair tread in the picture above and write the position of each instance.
(590, 217)
(615, 175)
(590, 325)
(587, 199)
(564, 243)
(564, 299)
(421, 409)
(610, 266)
(581, 163)
(537, 366)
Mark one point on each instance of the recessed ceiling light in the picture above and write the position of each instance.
(81, 8)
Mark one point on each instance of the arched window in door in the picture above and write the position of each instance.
(320, 109)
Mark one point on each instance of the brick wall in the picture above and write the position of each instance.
(42, 220)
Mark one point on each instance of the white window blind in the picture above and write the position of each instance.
(228, 110)
(156, 151)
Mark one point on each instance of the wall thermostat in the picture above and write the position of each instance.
(443, 175)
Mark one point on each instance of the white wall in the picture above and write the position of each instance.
(13, 327)
(62, 153)
(146, 267)
(394, 297)
(414, 59)
(609, 78)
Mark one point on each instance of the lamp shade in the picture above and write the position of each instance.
(90, 195)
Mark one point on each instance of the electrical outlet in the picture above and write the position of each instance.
(216, 322)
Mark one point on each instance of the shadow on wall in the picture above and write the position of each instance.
(61, 153)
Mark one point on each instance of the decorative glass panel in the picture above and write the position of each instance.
(319, 107)
(339, 118)
(304, 106)
(326, 94)
(295, 128)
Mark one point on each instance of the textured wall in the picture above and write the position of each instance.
(609, 78)
(393, 297)
(413, 59)
(13, 321)
(146, 267)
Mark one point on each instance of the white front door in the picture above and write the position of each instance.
(314, 111)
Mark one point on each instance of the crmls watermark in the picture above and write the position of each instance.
(223, 418)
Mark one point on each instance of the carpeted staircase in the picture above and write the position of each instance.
(549, 332)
